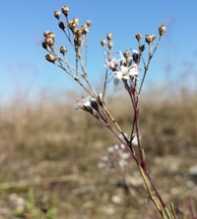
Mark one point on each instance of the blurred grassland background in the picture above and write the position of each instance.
(49, 154)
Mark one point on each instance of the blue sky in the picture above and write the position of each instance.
(22, 22)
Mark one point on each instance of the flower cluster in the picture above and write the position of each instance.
(126, 68)
(75, 34)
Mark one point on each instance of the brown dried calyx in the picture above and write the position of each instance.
(162, 30)
(51, 58)
(150, 38)
(49, 39)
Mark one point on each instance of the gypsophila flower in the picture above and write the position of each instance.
(126, 67)
(125, 73)
(88, 104)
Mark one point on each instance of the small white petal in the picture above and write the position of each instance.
(135, 141)
(133, 71)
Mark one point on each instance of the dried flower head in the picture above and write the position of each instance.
(73, 24)
(136, 56)
(150, 38)
(65, 10)
(89, 23)
(51, 58)
(57, 14)
(49, 42)
(49, 34)
(110, 45)
(109, 36)
(162, 30)
(103, 43)
(63, 50)
(138, 36)
(49, 39)
(85, 29)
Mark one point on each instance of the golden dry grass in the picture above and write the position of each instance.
(53, 150)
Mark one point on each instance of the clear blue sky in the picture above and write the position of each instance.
(22, 22)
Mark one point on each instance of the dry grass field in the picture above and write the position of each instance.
(49, 155)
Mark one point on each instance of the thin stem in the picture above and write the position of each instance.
(105, 83)
(146, 65)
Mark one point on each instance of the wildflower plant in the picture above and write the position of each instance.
(130, 68)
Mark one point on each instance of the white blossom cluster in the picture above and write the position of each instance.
(125, 68)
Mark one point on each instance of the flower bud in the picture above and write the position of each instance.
(127, 54)
(76, 21)
(136, 56)
(85, 29)
(150, 38)
(142, 48)
(51, 58)
(49, 34)
(57, 14)
(138, 36)
(162, 30)
(65, 10)
(49, 41)
(73, 24)
(103, 43)
(88, 23)
(44, 45)
(62, 26)
(109, 36)
(78, 33)
(63, 50)
(110, 45)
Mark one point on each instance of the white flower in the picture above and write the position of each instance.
(112, 64)
(135, 141)
(123, 73)
(133, 70)
(87, 102)
(127, 72)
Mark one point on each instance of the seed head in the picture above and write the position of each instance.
(150, 38)
(51, 58)
(57, 14)
(65, 10)
(138, 36)
(162, 30)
